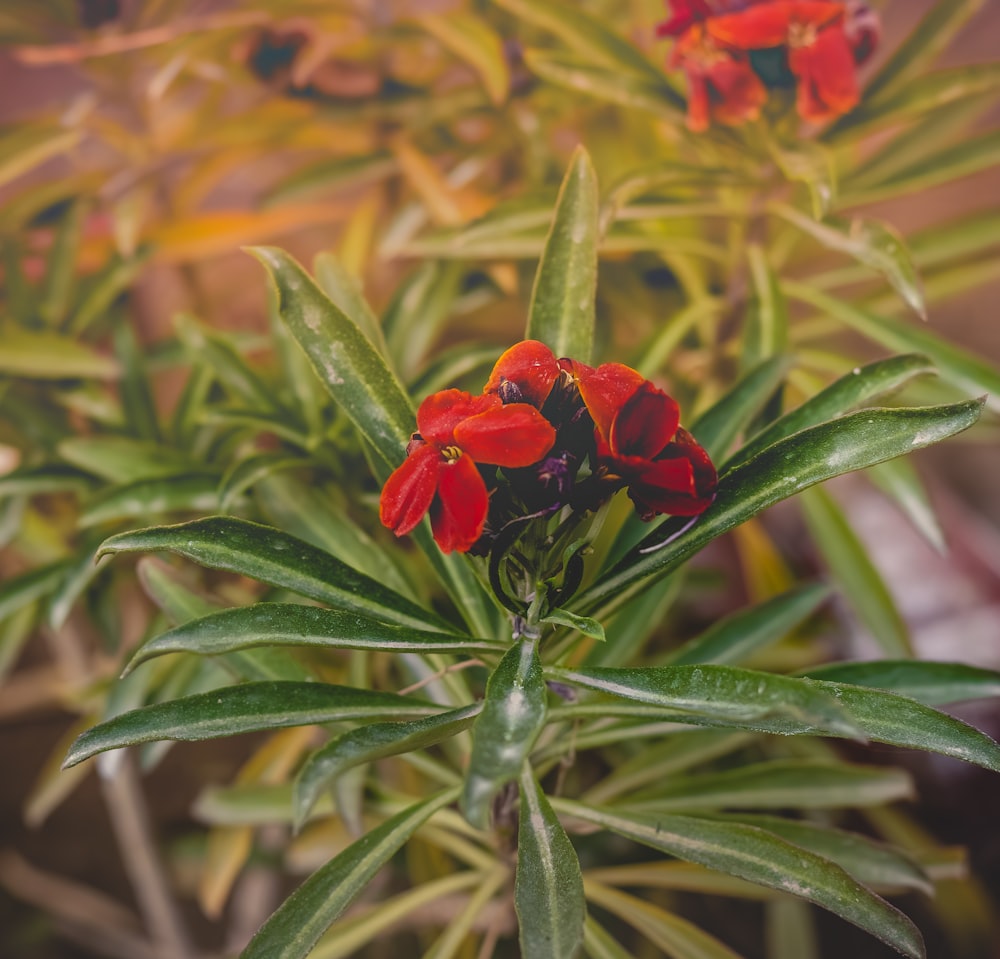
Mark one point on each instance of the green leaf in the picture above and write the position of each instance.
(31, 145)
(119, 459)
(165, 586)
(600, 944)
(670, 934)
(758, 856)
(873, 863)
(933, 684)
(562, 301)
(44, 355)
(888, 718)
(857, 388)
(246, 473)
(473, 40)
(60, 265)
(583, 624)
(860, 582)
(247, 708)
(766, 331)
(718, 426)
(343, 357)
(371, 742)
(898, 480)
(513, 715)
(136, 388)
(921, 48)
(280, 624)
(225, 361)
(870, 242)
(578, 73)
(922, 94)
(149, 498)
(944, 165)
(812, 164)
(268, 555)
(16, 592)
(783, 469)
(344, 290)
(326, 176)
(34, 481)
(779, 784)
(965, 370)
(294, 929)
(719, 696)
(735, 637)
(586, 35)
(548, 890)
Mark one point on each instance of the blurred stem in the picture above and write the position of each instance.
(129, 815)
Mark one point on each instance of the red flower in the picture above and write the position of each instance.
(525, 372)
(722, 85)
(455, 432)
(640, 443)
(819, 54)
(820, 42)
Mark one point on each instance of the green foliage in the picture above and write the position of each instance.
(439, 755)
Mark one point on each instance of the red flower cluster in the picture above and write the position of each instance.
(733, 50)
(539, 420)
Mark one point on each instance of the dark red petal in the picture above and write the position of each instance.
(735, 93)
(529, 365)
(459, 510)
(668, 486)
(408, 492)
(769, 24)
(682, 14)
(605, 391)
(440, 413)
(828, 85)
(645, 424)
(512, 435)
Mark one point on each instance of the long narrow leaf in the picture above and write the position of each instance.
(758, 856)
(513, 715)
(933, 684)
(735, 637)
(963, 369)
(371, 742)
(562, 301)
(860, 582)
(243, 709)
(788, 467)
(721, 695)
(289, 624)
(343, 357)
(548, 891)
(268, 555)
(860, 386)
(294, 929)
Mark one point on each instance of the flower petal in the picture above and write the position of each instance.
(512, 435)
(828, 84)
(645, 424)
(459, 510)
(681, 481)
(441, 412)
(605, 391)
(531, 366)
(409, 491)
(769, 24)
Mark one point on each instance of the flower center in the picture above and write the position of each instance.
(801, 35)
(451, 453)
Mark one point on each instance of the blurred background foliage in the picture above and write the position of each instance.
(415, 150)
